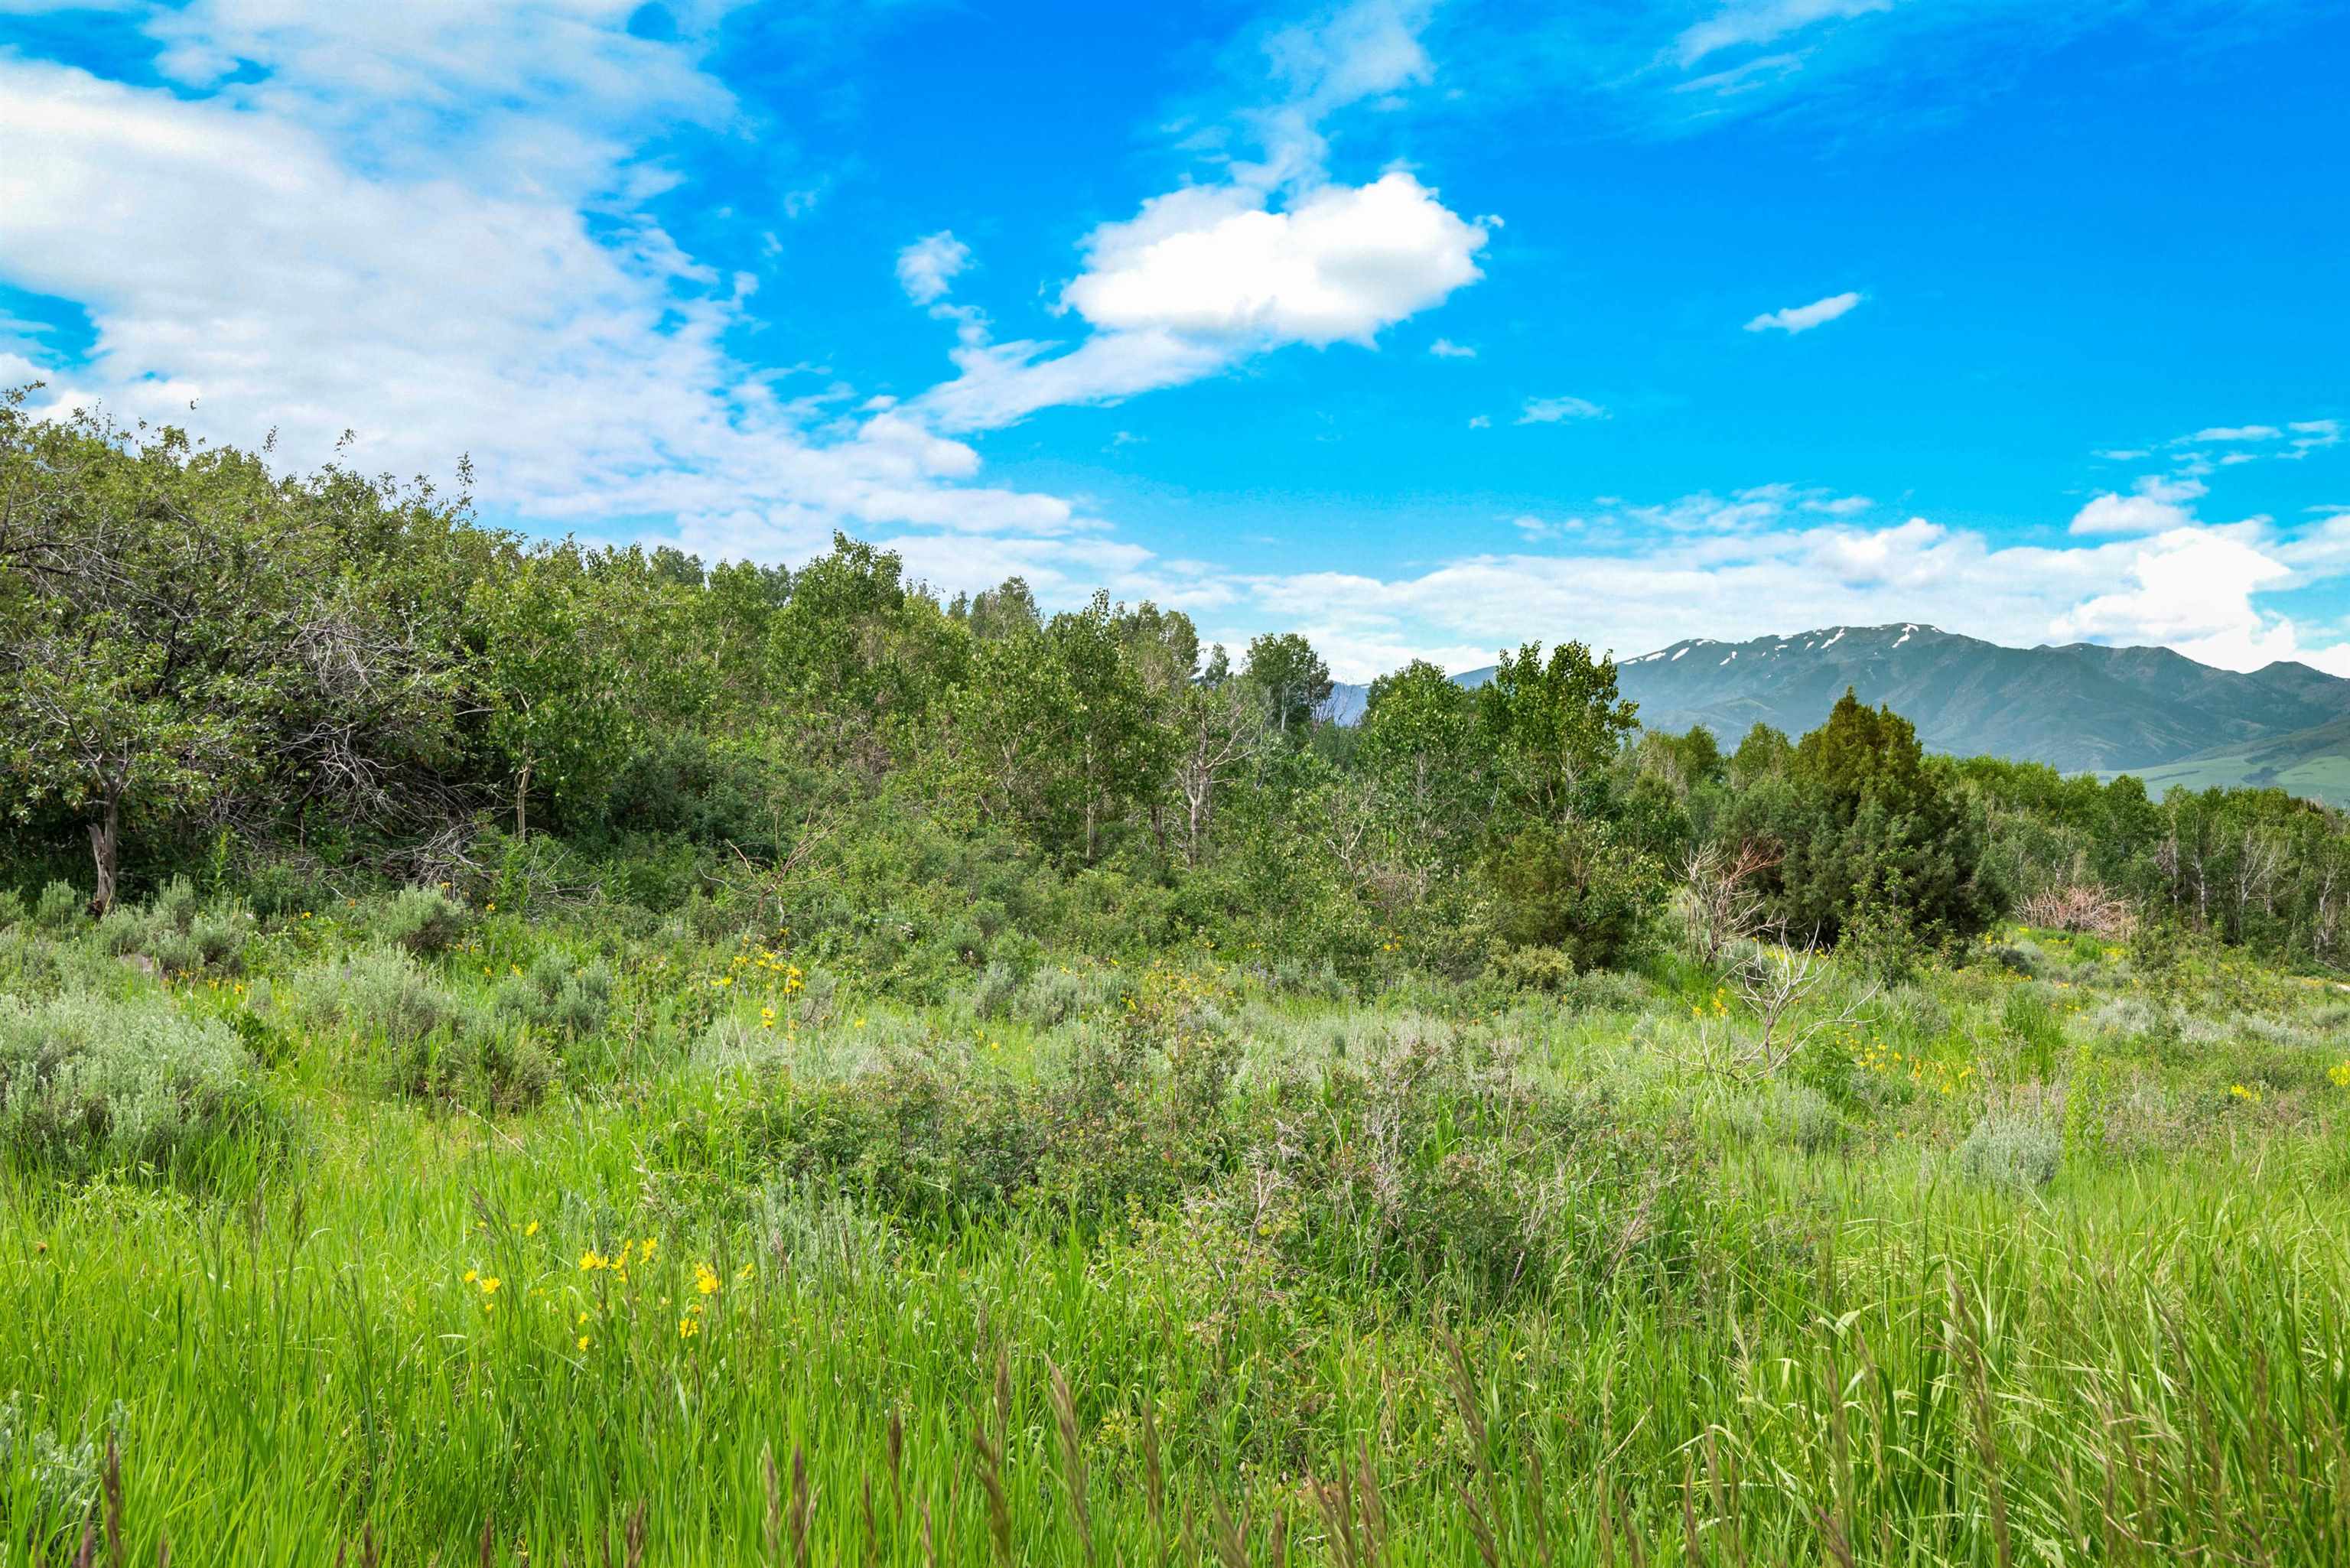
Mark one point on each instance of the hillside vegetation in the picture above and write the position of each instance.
(520, 1053)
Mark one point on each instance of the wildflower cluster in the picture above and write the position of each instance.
(1872, 1054)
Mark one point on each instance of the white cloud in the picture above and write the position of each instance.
(1748, 22)
(1445, 349)
(2194, 593)
(1558, 410)
(426, 226)
(1208, 276)
(2312, 435)
(1758, 570)
(1803, 317)
(1339, 265)
(928, 267)
(1205, 278)
(2231, 434)
(1480, 422)
(2155, 507)
(1365, 49)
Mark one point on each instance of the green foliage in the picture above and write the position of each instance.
(424, 921)
(62, 1479)
(2010, 1152)
(1580, 889)
(1551, 727)
(1867, 834)
(61, 908)
(88, 1084)
(1290, 679)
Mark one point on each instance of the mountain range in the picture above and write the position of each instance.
(2078, 708)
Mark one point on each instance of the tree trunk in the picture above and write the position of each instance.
(522, 801)
(105, 849)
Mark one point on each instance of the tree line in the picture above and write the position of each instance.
(345, 675)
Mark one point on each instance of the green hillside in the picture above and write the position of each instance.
(2313, 763)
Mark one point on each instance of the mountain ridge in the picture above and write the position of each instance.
(2078, 707)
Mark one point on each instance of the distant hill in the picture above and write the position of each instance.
(2313, 763)
(2079, 707)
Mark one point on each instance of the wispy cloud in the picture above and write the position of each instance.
(1803, 317)
(1753, 21)
(1559, 411)
(1445, 349)
(928, 267)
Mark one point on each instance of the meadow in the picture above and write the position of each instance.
(408, 1229)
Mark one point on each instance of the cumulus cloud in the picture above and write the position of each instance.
(928, 267)
(1445, 349)
(1339, 265)
(1275, 255)
(448, 195)
(1558, 410)
(1634, 577)
(2156, 505)
(2193, 591)
(1803, 317)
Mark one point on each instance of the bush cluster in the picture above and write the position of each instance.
(88, 1084)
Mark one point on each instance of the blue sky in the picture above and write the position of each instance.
(1422, 326)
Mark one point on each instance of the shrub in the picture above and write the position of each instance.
(2012, 1152)
(1582, 890)
(431, 1044)
(379, 988)
(557, 999)
(88, 1084)
(175, 904)
(61, 908)
(125, 929)
(1531, 969)
(823, 1236)
(991, 993)
(219, 939)
(424, 921)
(1427, 1165)
(1053, 995)
(12, 908)
(63, 1479)
(1801, 1116)
(2017, 959)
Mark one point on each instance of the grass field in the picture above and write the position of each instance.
(442, 1234)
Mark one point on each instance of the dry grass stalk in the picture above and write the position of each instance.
(1073, 1457)
(1978, 1380)
(774, 1506)
(991, 1481)
(1154, 1476)
(803, 1508)
(1230, 1538)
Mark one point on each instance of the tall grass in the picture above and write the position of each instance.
(643, 1319)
